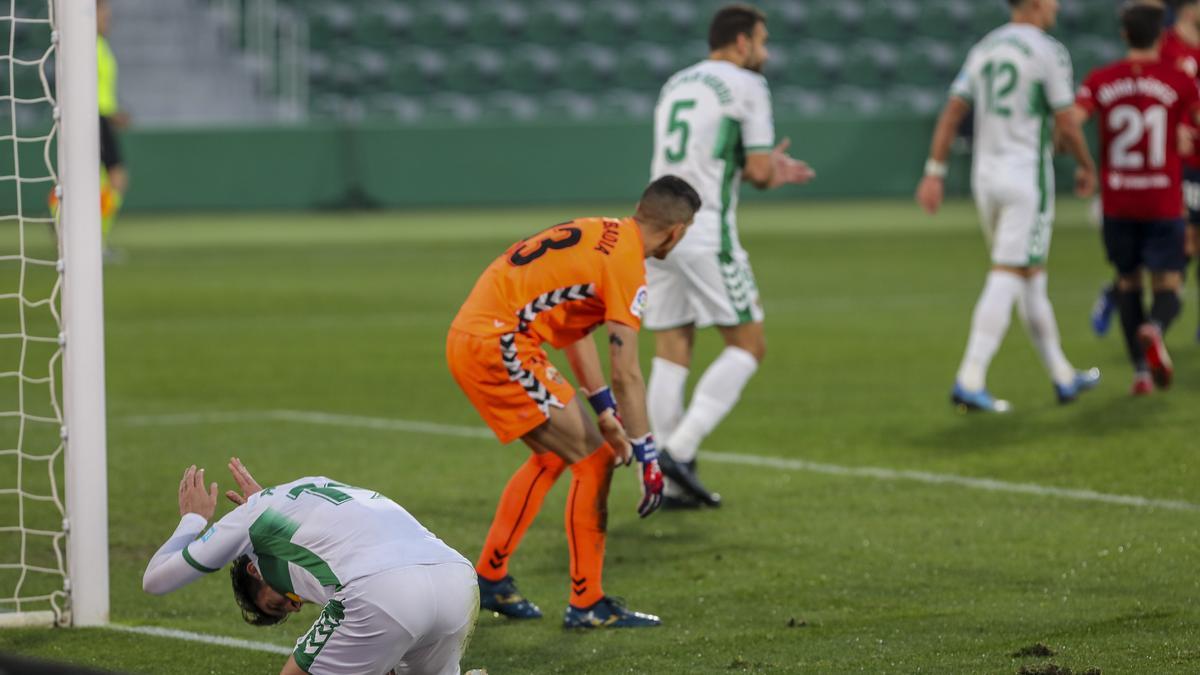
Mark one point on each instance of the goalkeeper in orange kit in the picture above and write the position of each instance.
(557, 287)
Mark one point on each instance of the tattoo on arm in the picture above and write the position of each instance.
(616, 341)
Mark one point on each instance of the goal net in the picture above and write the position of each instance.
(41, 275)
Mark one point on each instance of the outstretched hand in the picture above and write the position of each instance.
(614, 434)
(789, 170)
(245, 482)
(193, 498)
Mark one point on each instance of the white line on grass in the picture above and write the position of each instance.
(412, 426)
(189, 636)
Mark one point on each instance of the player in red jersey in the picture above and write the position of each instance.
(1141, 102)
(1181, 47)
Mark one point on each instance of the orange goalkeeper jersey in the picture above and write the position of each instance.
(559, 284)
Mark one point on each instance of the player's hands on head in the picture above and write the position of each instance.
(193, 497)
(930, 194)
(245, 482)
(1085, 182)
(614, 434)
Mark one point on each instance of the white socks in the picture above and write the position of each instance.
(664, 396)
(718, 390)
(990, 322)
(1036, 312)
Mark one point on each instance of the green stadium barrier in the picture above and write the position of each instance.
(390, 166)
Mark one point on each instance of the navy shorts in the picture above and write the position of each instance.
(1191, 193)
(1157, 245)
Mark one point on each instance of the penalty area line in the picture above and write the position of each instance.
(203, 638)
(779, 463)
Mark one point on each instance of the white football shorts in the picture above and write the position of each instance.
(1017, 220)
(416, 620)
(701, 288)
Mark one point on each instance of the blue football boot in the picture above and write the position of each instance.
(608, 613)
(503, 597)
(1085, 380)
(1103, 310)
(977, 401)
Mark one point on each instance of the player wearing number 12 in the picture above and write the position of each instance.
(1018, 79)
(392, 591)
(1141, 101)
(556, 288)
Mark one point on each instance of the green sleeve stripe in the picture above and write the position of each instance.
(759, 148)
(192, 561)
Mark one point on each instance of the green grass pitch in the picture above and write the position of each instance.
(868, 307)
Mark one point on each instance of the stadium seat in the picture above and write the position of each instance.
(645, 66)
(556, 22)
(330, 24)
(626, 104)
(442, 23)
(565, 104)
(1089, 53)
(511, 106)
(798, 101)
(910, 100)
(890, 19)
(392, 107)
(611, 22)
(382, 24)
(455, 108)
(788, 21)
(928, 63)
(589, 67)
(417, 70)
(946, 19)
(671, 22)
(532, 68)
(848, 100)
(836, 21)
(498, 22)
(869, 63)
(814, 63)
(474, 69)
(988, 16)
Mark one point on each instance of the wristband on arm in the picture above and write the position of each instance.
(644, 449)
(602, 400)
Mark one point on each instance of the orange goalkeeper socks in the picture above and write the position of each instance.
(587, 524)
(519, 505)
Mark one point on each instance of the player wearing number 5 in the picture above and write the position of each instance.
(392, 592)
(1141, 101)
(1019, 81)
(714, 127)
(557, 287)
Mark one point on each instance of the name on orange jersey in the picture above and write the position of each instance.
(609, 237)
(1146, 86)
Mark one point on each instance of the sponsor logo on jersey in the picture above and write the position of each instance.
(639, 302)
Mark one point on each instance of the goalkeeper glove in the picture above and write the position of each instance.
(646, 454)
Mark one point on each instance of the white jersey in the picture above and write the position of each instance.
(310, 537)
(1016, 78)
(708, 118)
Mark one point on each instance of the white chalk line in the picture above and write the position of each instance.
(204, 638)
(877, 473)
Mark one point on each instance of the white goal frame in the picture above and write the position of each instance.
(83, 314)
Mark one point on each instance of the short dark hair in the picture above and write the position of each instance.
(731, 21)
(245, 589)
(666, 202)
(1176, 4)
(1142, 23)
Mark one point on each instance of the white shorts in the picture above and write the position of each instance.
(701, 288)
(416, 619)
(1017, 223)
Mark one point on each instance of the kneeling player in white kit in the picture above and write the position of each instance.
(396, 598)
(1019, 81)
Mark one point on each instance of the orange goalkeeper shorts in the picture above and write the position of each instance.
(509, 379)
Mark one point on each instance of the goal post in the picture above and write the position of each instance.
(53, 468)
(84, 431)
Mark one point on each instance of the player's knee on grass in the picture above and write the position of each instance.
(1169, 280)
(569, 433)
(749, 337)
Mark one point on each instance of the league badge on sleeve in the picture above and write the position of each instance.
(639, 302)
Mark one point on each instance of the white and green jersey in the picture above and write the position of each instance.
(1016, 78)
(310, 537)
(709, 116)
